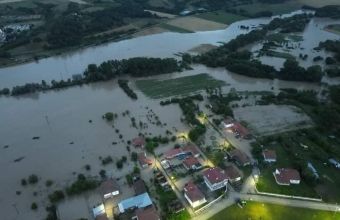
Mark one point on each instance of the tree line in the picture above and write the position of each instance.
(229, 55)
(136, 67)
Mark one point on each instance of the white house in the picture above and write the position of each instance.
(194, 195)
(269, 156)
(215, 178)
(287, 176)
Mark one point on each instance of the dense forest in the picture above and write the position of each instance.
(332, 46)
(330, 11)
(69, 30)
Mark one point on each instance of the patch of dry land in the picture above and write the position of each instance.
(203, 48)
(150, 31)
(196, 24)
(161, 14)
(319, 3)
(270, 119)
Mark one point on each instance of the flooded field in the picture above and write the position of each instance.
(67, 141)
(56, 133)
(271, 119)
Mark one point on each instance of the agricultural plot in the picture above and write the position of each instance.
(194, 24)
(179, 86)
(221, 17)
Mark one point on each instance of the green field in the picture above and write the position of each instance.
(291, 154)
(277, 9)
(283, 55)
(265, 211)
(268, 184)
(174, 28)
(221, 17)
(177, 86)
(335, 28)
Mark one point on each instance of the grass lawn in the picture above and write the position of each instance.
(265, 211)
(221, 17)
(335, 28)
(174, 28)
(177, 86)
(327, 188)
(268, 184)
(277, 9)
(183, 215)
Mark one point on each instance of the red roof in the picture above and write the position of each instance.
(191, 161)
(108, 186)
(143, 160)
(285, 175)
(138, 141)
(241, 129)
(193, 192)
(269, 154)
(173, 153)
(191, 148)
(215, 175)
(240, 157)
(232, 173)
(149, 213)
(139, 187)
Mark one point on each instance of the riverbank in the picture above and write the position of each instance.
(173, 23)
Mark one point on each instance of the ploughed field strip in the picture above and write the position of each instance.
(178, 86)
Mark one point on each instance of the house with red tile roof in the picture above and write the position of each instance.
(143, 160)
(109, 188)
(148, 213)
(269, 156)
(215, 178)
(240, 157)
(172, 153)
(192, 149)
(138, 142)
(287, 176)
(139, 187)
(233, 174)
(192, 163)
(194, 195)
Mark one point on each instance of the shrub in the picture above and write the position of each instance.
(23, 182)
(33, 179)
(134, 156)
(49, 183)
(34, 206)
(56, 196)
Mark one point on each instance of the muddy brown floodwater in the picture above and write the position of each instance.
(65, 139)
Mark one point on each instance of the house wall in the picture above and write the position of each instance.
(215, 186)
(196, 203)
(295, 181)
(270, 160)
